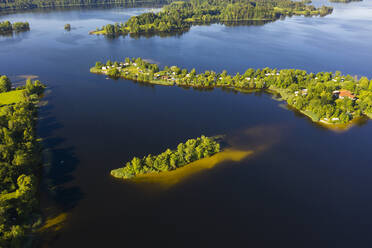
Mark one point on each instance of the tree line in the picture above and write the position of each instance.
(344, 1)
(180, 16)
(318, 95)
(7, 27)
(20, 162)
(14, 5)
(191, 150)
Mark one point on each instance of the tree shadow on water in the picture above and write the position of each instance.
(59, 164)
(63, 163)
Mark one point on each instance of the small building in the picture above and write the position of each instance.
(104, 68)
(303, 92)
(342, 94)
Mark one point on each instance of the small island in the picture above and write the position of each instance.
(180, 16)
(190, 151)
(20, 161)
(331, 99)
(7, 27)
(67, 27)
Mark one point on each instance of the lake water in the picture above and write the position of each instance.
(299, 186)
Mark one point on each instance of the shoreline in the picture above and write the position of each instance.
(169, 178)
(189, 15)
(337, 127)
(192, 23)
(188, 152)
(22, 109)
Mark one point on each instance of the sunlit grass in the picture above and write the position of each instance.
(11, 97)
(103, 32)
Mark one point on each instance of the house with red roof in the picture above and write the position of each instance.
(344, 94)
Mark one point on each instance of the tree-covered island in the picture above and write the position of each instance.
(326, 97)
(190, 151)
(67, 27)
(7, 27)
(180, 16)
(20, 162)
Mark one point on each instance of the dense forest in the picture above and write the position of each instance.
(12, 5)
(180, 16)
(7, 27)
(20, 161)
(191, 150)
(327, 97)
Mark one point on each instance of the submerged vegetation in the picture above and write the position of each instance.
(325, 97)
(20, 160)
(190, 151)
(7, 27)
(180, 16)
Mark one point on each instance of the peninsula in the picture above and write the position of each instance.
(327, 98)
(180, 16)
